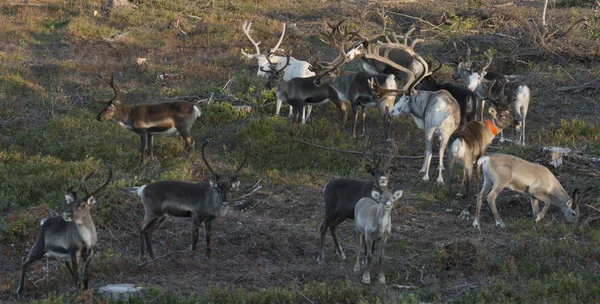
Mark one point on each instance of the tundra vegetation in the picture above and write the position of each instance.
(264, 250)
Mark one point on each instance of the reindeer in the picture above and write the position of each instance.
(463, 71)
(70, 236)
(167, 118)
(501, 171)
(436, 112)
(470, 142)
(299, 92)
(373, 223)
(404, 57)
(353, 87)
(466, 99)
(518, 94)
(294, 69)
(203, 202)
(342, 194)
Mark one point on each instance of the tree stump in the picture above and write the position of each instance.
(116, 292)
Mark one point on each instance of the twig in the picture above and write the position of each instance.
(416, 18)
(161, 257)
(249, 193)
(358, 152)
(592, 207)
(227, 83)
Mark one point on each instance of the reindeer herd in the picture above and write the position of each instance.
(391, 69)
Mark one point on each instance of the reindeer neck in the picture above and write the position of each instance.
(122, 113)
(492, 127)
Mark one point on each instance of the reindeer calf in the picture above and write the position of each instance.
(373, 223)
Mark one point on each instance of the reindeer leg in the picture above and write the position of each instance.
(145, 234)
(277, 106)
(333, 227)
(207, 228)
(487, 187)
(36, 253)
(443, 143)
(381, 277)
(427, 161)
(355, 112)
(364, 115)
(359, 247)
(75, 269)
(535, 207)
(196, 222)
(303, 110)
(86, 264)
(149, 143)
(187, 138)
(70, 269)
(366, 278)
(143, 137)
(308, 112)
(491, 198)
(322, 233)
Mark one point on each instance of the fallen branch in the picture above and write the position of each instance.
(594, 84)
(162, 256)
(592, 207)
(358, 152)
(415, 18)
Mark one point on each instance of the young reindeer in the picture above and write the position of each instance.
(437, 112)
(373, 223)
(470, 142)
(167, 118)
(294, 69)
(501, 171)
(203, 202)
(70, 236)
(299, 92)
(353, 87)
(342, 194)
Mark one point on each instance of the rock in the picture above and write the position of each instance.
(116, 292)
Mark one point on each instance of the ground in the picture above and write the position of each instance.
(265, 248)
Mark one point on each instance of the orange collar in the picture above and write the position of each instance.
(490, 125)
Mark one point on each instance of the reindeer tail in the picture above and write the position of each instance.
(135, 190)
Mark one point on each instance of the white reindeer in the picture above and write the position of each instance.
(373, 222)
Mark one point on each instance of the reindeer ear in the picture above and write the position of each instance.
(492, 112)
(69, 199)
(91, 201)
(375, 194)
(235, 185)
(369, 168)
(214, 184)
(392, 169)
(282, 73)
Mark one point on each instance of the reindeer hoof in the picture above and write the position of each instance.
(356, 268)
(366, 279)
(476, 225)
(381, 279)
(426, 177)
(320, 260)
(500, 224)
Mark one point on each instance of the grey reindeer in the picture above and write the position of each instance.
(203, 202)
(70, 236)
